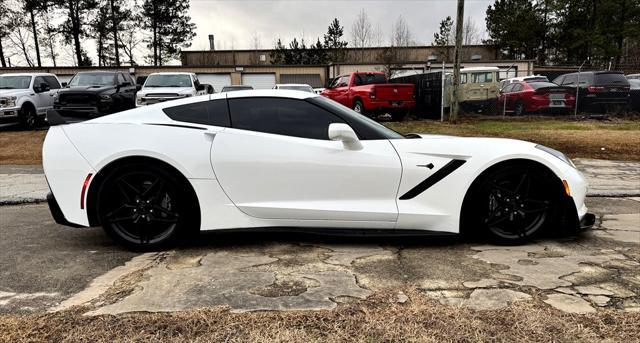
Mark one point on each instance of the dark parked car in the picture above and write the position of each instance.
(635, 94)
(96, 93)
(598, 91)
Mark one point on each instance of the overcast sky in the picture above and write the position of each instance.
(234, 22)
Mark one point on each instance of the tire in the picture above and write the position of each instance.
(359, 107)
(145, 207)
(518, 110)
(28, 117)
(513, 204)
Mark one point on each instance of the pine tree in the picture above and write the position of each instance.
(333, 41)
(171, 28)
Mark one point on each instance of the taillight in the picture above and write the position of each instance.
(594, 89)
(84, 190)
(372, 94)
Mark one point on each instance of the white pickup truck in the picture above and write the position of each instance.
(27, 97)
(159, 87)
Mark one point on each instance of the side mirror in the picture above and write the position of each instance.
(200, 87)
(64, 84)
(344, 133)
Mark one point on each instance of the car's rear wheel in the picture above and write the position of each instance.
(514, 204)
(358, 107)
(144, 207)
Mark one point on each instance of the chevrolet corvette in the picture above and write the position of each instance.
(273, 159)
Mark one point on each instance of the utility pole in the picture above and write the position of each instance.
(455, 105)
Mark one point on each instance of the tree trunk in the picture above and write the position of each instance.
(155, 35)
(4, 64)
(114, 24)
(35, 37)
(455, 106)
(75, 31)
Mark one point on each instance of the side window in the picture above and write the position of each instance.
(516, 87)
(508, 88)
(569, 80)
(463, 78)
(196, 82)
(37, 82)
(52, 82)
(482, 77)
(288, 117)
(357, 80)
(121, 78)
(213, 112)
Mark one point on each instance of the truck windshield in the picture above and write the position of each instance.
(15, 82)
(168, 81)
(92, 79)
(370, 79)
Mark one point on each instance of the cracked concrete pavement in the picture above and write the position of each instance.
(46, 267)
(60, 268)
(27, 184)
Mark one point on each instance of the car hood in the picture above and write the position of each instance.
(86, 89)
(171, 90)
(13, 92)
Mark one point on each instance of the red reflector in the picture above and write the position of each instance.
(84, 190)
(594, 89)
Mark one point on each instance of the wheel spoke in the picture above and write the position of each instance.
(497, 220)
(121, 214)
(534, 206)
(128, 190)
(155, 189)
(521, 183)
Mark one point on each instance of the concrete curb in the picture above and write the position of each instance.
(22, 201)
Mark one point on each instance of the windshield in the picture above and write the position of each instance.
(92, 79)
(15, 82)
(365, 127)
(298, 88)
(168, 81)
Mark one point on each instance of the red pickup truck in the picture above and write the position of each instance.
(370, 93)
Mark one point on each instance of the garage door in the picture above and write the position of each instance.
(259, 81)
(312, 80)
(216, 80)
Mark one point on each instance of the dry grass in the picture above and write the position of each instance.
(620, 139)
(377, 319)
(611, 140)
(21, 147)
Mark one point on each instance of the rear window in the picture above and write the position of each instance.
(212, 112)
(611, 78)
(536, 85)
(369, 79)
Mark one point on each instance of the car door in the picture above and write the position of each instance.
(514, 95)
(342, 91)
(276, 162)
(42, 97)
(504, 97)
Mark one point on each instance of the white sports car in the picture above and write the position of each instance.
(275, 158)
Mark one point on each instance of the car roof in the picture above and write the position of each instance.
(276, 93)
(171, 73)
(28, 74)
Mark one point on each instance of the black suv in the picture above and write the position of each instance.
(96, 93)
(598, 91)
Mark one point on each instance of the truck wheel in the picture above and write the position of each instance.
(358, 107)
(28, 117)
(519, 109)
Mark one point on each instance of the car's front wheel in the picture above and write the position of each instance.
(28, 117)
(144, 207)
(514, 204)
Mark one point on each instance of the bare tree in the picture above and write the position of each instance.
(470, 32)
(377, 38)
(361, 31)
(20, 37)
(255, 41)
(400, 33)
(50, 35)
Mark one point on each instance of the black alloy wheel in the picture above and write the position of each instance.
(519, 109)
(516, 204)
(143, 208)
(28, 118)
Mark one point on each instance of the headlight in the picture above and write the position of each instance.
(557, 154)
(10, 101)
(105, 97)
